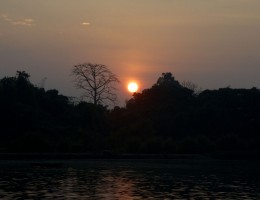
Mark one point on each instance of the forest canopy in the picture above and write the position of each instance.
(170, 117)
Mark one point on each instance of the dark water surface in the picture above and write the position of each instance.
(131, 179)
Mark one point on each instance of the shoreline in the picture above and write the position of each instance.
(109, 155)
(69, 156)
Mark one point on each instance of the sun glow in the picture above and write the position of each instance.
(132, 87)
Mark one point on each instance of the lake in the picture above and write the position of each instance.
(130, 179)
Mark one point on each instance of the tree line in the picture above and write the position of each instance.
(169, 117)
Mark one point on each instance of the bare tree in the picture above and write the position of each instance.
(97, 81)
(192, 86)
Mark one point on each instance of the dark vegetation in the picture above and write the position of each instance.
(167, 118)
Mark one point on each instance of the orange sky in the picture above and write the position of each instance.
(212, 43)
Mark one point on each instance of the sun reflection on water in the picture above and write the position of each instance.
(98, 180)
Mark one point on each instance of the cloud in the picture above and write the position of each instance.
(85, 23)
(20, 22)
(6, 18)
(24, 22)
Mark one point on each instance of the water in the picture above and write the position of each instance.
(131, 179)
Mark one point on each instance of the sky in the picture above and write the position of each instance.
(213, 43)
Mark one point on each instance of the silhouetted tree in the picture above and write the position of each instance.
(22, 75)
(167, 80)
(166, 118)
(97, 81)
(192, 86)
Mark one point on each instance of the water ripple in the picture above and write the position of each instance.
(130, 180)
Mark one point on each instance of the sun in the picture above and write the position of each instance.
(132, 87)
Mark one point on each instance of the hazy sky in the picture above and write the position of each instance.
(213, 43)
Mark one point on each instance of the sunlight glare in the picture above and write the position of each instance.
(132, 87)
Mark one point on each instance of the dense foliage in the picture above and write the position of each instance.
(167, 118)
